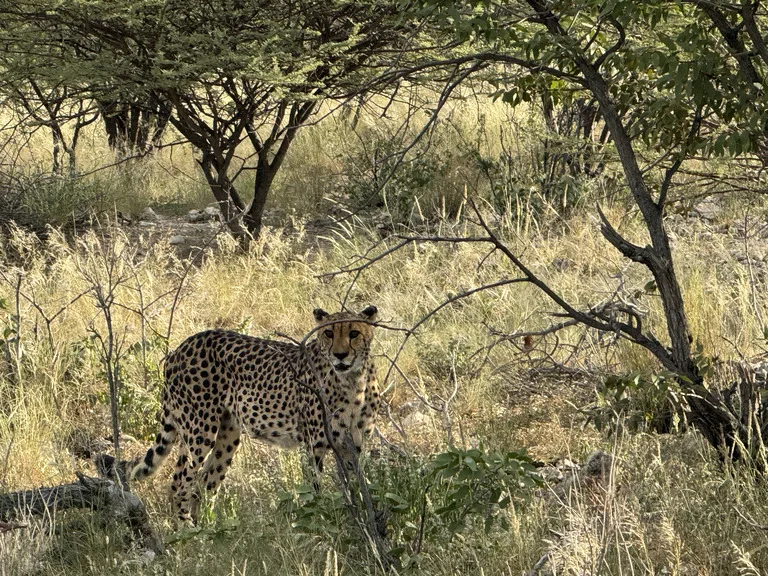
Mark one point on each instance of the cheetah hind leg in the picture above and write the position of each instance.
(224, 449)
(186, 479)
(184, 494)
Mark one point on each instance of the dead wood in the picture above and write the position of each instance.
(94, 493)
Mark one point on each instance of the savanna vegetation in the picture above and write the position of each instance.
(557, 208)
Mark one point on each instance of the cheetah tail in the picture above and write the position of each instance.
(157, 454)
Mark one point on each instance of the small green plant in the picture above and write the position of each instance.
(313, 512)
(475, 484)
(385, 177)
(431, 502)
(139, 399)
(137, 402)
(639, 402)
(209, 531)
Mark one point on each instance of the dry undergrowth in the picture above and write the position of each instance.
(667, 508)
(55, 402)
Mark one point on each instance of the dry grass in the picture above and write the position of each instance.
(669, 508)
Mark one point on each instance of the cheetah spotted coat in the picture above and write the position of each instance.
(220, 384)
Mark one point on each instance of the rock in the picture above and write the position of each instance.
(598, 466)
(562, 264)
(177, 240)
(195, 216)
(591, 477)
(410, 407)
(381, 217)
(415, 419)
(708, 209)
(275, 215)
(149, 215)
(417, 217)
(212, 213)
(755, 258)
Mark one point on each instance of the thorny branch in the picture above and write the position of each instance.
(605, 317)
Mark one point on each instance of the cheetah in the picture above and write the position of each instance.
(219, 384)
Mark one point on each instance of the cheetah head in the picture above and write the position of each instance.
(346, 337)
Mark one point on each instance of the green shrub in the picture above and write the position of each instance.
(457, 493)
(384, 177)
(38, 201)
(640, 403)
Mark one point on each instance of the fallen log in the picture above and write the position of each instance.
(93, 493)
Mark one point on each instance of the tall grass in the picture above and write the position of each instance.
(349, 156)
(669, 506)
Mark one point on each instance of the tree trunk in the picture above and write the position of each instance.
(57, 166)
(708, 414)
(112, 115)
(231, 205)
(266, 169)
(133, 128)
(265, 175)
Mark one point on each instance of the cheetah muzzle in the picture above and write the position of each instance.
(219, 384)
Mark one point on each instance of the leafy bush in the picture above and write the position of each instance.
(384, 177)
(639, 402)
(313, 512)
(477, 484)
(454, 494)
(138, 402)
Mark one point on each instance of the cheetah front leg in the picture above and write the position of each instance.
(313, 469)
(366, 420)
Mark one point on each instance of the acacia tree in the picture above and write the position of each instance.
(674, 82)
(38, 98)
(60, 111)
(236, 78)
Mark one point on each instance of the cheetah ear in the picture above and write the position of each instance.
(320, 314)
(371, 313)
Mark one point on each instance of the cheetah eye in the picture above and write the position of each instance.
(329, 334)
(354, 334)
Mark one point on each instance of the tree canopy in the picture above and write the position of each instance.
(237, 79)
(671, 82)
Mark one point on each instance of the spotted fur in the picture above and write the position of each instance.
(219, 384)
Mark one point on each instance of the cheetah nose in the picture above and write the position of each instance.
(341, 355)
